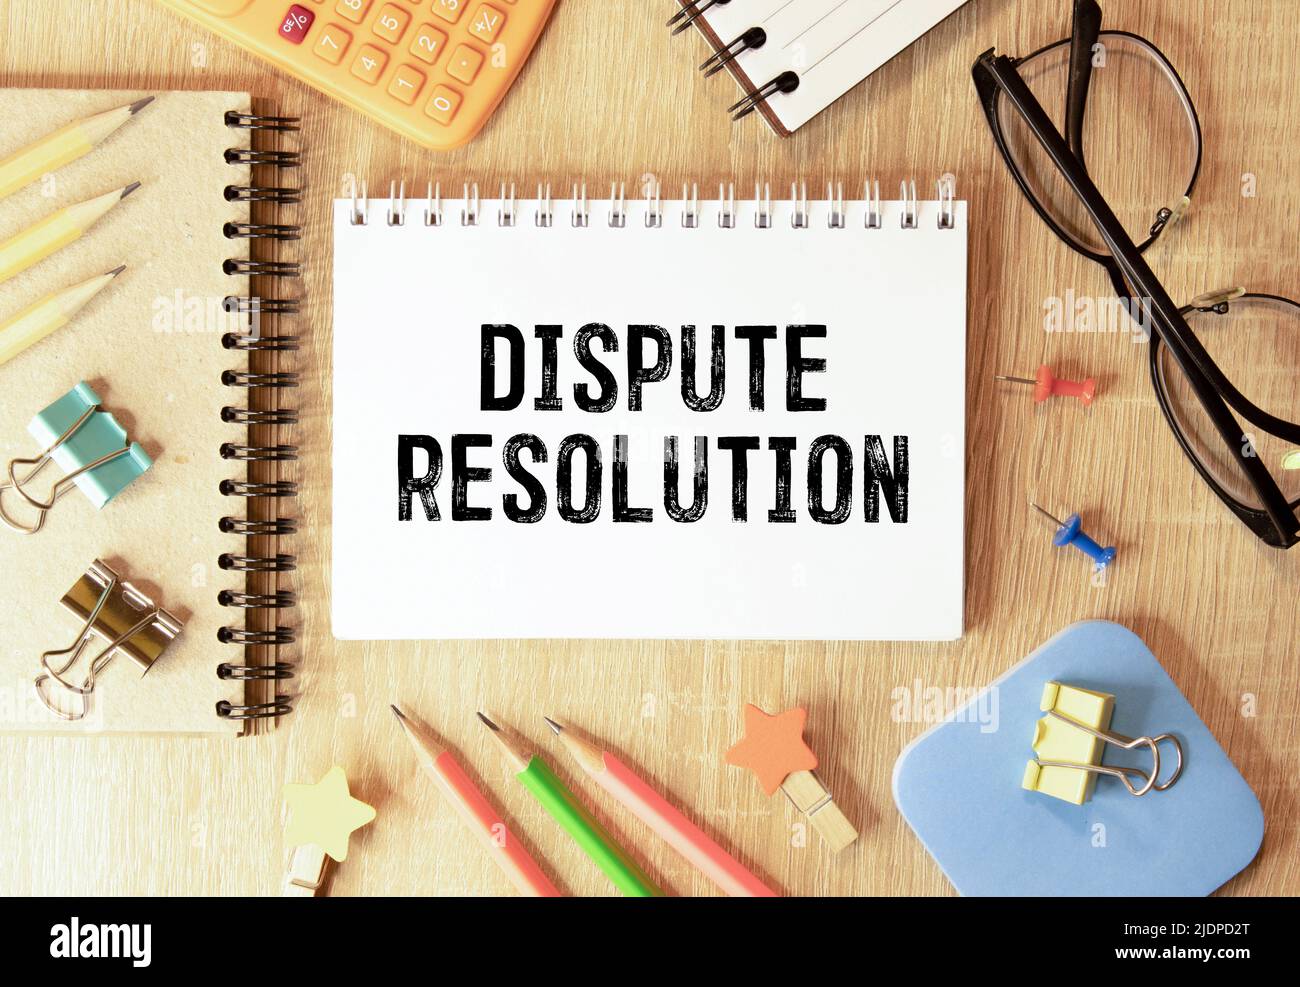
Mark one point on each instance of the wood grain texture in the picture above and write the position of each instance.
(609, 96)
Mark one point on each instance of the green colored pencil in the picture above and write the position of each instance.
(563, 806)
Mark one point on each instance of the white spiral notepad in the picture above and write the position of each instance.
(796, 57)
(649, 419)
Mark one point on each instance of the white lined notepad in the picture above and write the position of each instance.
(831, 45)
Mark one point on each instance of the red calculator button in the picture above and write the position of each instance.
(296, 23)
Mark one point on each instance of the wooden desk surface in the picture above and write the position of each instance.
(609, 96)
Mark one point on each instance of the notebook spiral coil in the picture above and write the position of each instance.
(433, 210)
(260, 412)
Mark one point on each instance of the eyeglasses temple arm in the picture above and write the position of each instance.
(1083, 36)
(1153, 297)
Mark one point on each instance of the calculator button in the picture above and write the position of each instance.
(295, 24)
(332, 44)
(369, 64)
(449, 10)
(465, 63)
(428, 43)
(443, 104)
(353, 10)
(391, 23)
(406, 85)
(487, 23)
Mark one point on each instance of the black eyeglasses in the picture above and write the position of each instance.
(1129, 126)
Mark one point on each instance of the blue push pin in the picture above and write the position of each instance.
(1070, 532)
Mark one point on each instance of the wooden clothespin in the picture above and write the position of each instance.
(322, 817)
(773, 748)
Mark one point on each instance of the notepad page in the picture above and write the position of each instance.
(832, 44)
(150, 346)
(589, 546)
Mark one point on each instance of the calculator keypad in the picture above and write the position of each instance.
(464, 64)
(428, 43)
(449, 10)
(353, 10)
(296, 24)
(390, 23)
(332, 44)
(444, 104)
(487, 23)
(369, 64)
(431, 69)
(406, 85)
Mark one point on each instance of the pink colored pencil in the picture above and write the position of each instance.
(477, 812)
(659, 814)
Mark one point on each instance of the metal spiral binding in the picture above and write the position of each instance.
(689, 13)
(750, 40)
(581, 217)
(786, 82)
(725, 55)
(251, 156)
(261, 379)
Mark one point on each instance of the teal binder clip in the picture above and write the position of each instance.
(87, 444)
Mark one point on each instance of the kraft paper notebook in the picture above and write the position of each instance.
(180, 348)
(730, 418)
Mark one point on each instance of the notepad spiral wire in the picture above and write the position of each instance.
(262, 599)
(870, 212)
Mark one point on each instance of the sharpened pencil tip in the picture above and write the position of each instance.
(116, 271)
(129, 189)
(397, 712)
(488, 723)
(558, 728)
(140, 104)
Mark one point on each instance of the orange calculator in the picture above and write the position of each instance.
(433, 70)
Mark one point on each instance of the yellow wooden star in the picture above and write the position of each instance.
(325, 814)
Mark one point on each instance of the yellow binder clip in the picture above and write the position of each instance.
(1071, 739)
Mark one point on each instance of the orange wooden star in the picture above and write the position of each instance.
(773, 746)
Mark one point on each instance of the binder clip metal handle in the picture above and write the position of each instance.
(79, 452)
(1124, 774)
(129, 623)
(38, 463)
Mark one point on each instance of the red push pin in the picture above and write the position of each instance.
(1046, 385)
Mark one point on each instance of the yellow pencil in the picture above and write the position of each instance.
(55, 232)
(64, 145)
(35, 322)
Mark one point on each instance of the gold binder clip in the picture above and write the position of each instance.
(112, 611)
